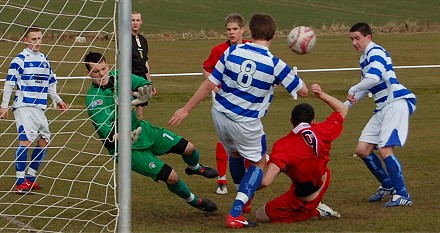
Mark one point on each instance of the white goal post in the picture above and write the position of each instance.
(78, 175)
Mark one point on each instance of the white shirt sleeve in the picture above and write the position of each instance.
(7, 92)
(358, 95)
(52, 92)
(363, 85)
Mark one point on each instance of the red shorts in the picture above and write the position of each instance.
(289, 208)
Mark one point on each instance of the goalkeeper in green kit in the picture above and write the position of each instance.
(148, 141)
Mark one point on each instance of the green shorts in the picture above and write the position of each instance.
(153, 141)
(146, 163)
(156, 139)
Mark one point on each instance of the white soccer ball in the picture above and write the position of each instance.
(302, 40)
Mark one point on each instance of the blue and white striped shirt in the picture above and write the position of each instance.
(375, 62)
(247, 74)
(31, 73)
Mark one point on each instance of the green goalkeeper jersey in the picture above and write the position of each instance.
(102, 109)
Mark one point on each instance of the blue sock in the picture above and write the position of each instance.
(21, 161)
(395, 172)
(375, 166)
(249, 184)
(38, 155)
(237, 169)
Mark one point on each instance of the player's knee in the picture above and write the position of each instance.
(363, 151)
(261, 214)
(384, 152)
(25, 143)
(173, 178)
(190, 148)
(43, 142)
(165, 173)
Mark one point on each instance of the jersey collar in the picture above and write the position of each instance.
(300, 126)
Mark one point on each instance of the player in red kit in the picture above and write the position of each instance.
(303, 155)
(234, 24)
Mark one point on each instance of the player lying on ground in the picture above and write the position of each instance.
(303, 155)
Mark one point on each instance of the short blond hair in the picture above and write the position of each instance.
(234, 18)
(136, 13)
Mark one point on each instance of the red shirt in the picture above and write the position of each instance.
(215, 55)
(303, 154)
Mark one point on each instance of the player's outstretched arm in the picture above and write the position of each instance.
(334, 103)
(204, 89)
(206, 75)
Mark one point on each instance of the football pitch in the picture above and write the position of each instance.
(155, 209)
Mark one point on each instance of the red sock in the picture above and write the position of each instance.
(221, 159)
(246, 164)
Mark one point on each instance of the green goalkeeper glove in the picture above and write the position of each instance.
(143, 95)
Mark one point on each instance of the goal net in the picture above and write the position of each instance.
(77, 174)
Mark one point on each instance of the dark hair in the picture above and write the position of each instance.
(302, 113)
(33, 28)
(93, 57)
(262, 27)
(363, 28)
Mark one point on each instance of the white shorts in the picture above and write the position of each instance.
(389, 126)
(31, 124)
(246, 138)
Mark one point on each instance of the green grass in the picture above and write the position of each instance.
(154, 208)
(196, 15)
(174, 16)
(59, 14)
(351, 182)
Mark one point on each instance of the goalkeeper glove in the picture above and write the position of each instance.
(143, 95)
(135, 134)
